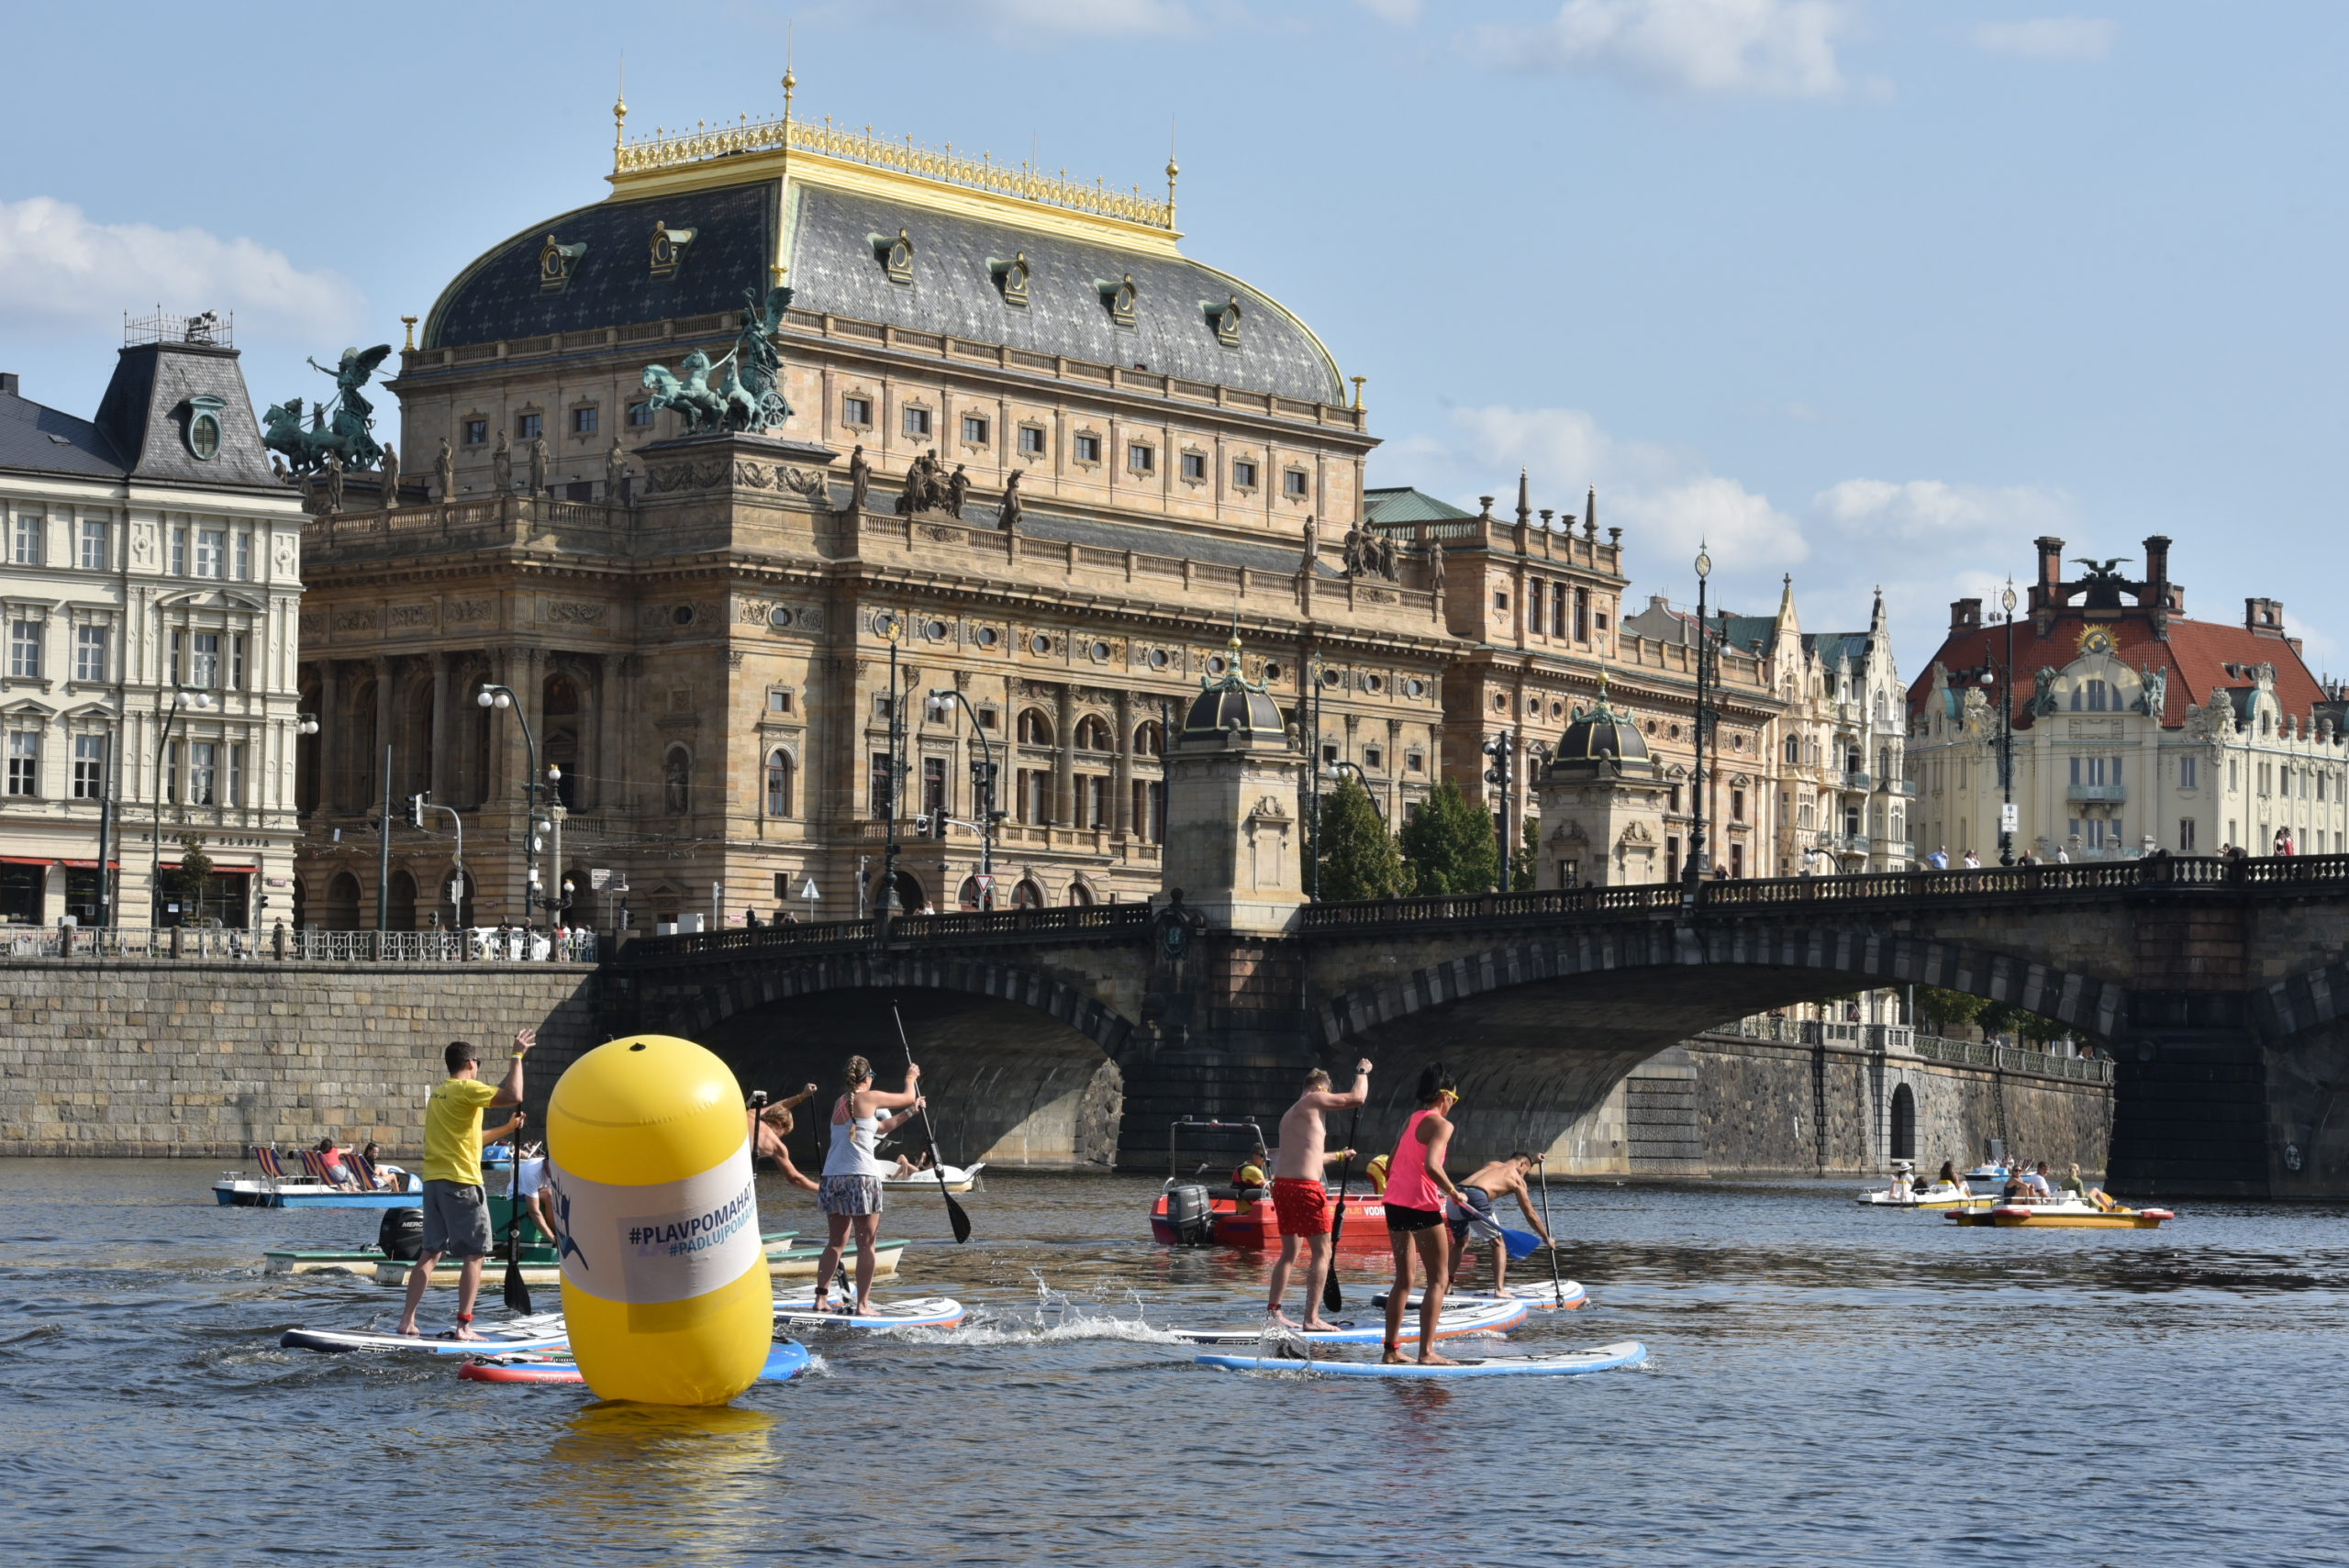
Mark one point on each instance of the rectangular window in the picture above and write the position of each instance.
(1671, 859)
(204, 661)
(988, 719)
(778, 702)
(1373, 758)
(1140, 457)
(883, 794)
(917, 421)
(2186, 835)
(934, 784)
(244, 568)
(583, 421)
(1533, 607)
(1582, 614)
(172, 771)
(211, 552)
(1737, 859)
(1244, 473)
(1195, 465)
(1149, 810)
(1031, 441)
(974, 429)
(857, 412)
(89, 654)
(1558, 610)
(1737, 809)
(1415, 761)
(202, 773)
(2185, 772)
(25, 547)
(881, 706)
(1501, 598)
(89, 767)
(782, 885)
(235, 782)
(24, 763)
(94, 544)
(1088, 448)
(1328, 753)
(1092, 800)
(1293, 485)
(24, 649)
(477, 432)
(639, 416)
(237, 662)
(530, 426)
(179, 552)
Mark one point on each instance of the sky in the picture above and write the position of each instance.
(1868, 292)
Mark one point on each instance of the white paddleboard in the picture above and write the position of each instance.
(1484, 1316)
(543, 1331)
(1565, 1364)
(1567, 1294)
(925, 1312)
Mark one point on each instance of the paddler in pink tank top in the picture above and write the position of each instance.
(1415, 1189)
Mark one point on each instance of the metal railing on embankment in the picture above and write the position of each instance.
(1899, 1038)
(1114, 922)
(234, 943)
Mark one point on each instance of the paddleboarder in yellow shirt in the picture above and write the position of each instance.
(456, 1210)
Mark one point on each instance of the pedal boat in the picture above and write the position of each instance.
(2066, 1213)
(1938, 1196)
(237, 1190)
(959, 1178)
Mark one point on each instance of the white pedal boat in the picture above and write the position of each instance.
(959, 1178)
(1937, 1197)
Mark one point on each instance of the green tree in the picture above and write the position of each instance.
(1943, 1008)
(1525, 866)
(185, 886)
(2004, 1017)
(1449, 845)
(1358, 856)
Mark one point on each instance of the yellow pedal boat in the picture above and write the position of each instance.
(2065, 1214)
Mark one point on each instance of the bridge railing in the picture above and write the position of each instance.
(2007, 1059)
(1077, 921)
(235, 943)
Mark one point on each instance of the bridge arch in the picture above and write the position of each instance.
(1023, 1067)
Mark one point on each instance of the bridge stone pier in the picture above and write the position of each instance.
(1074, 1037)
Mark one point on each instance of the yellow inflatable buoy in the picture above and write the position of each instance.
(1376, 1170)
(1252, 1176)
(665, 1289)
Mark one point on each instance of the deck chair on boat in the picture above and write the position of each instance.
(363, 1171)
(314, 1164)
(272, 1168)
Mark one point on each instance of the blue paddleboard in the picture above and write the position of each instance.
(1566, 1363)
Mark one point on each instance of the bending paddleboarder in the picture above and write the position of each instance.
(1416, 1190)
(771, 1125)
(851, 1196)
(1472, 1218)
(456, 1210)
(1300, 1195)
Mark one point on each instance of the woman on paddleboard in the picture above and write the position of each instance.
(851, 1195)
(1416, 1190)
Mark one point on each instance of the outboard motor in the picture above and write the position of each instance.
(1190, 1213)
(401, 1235)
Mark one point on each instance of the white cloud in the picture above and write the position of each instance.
(1402, 13)
(56, 265)
(1768, 48)
(2049, 38)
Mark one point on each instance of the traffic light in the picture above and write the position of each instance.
(937, 823)
(415, 811)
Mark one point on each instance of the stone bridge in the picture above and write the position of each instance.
(1075, 1036)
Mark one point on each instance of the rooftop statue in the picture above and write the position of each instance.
(747, 392)
(349, 437)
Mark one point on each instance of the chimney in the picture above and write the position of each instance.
(2263, 618)
(2051, 560)
(1966, 615)
(8, 383)
(2155, 596)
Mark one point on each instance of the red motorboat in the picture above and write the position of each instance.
(1191, 1214)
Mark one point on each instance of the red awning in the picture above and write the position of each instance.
(89, 865)
(26, 861)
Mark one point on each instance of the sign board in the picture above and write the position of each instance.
(807, 890)
(599, 878)
(2009, 817)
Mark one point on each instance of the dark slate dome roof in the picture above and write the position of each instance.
(1233, 702)
(838, 267)
(1602, 740)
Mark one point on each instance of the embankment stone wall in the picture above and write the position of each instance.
(209, 1059)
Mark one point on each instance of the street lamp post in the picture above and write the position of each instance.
(893, 627)
(496, 696)
(182, 696)
(1693, 874)
(982, 783)
(1312, 707)
(1340, 768)
(1502, 749)
(2007, 738)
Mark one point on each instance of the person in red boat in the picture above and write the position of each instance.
(1300, 1197)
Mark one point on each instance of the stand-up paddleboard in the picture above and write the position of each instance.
(1565, 1364)
(536, 1334)
(1566, 1294)
(1486, 1315)
(788, 1359)
(926, 1312)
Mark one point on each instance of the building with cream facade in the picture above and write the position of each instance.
(151, 587)
(2133, 729)
(718, 642)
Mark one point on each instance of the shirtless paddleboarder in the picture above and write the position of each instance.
(1472, 1218)
(1300, 1197)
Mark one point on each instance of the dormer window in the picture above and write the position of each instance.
(1117, 298)
(557, 261)
(668, 248)
(895, 256)
(1225, 319)
(1012, 278)
(201, 428)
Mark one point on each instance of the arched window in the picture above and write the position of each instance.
(1027, 895)
(342, 903)
(778, 784)
(677, 781)
(1904, 1124)
(969, 896)
(1092, 733)
(1035, 730)
(1150, 740)
(1793, 749)
(1079, 896)
(560, 751)
(403, 903)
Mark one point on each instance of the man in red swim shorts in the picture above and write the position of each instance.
(1299, 1197)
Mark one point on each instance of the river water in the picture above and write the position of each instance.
(1828, 1385)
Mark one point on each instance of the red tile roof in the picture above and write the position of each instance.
(2195, 657)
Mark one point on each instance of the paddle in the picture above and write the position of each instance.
(954, 1215)
(518, 1293)
(1332, 1298)
(1557, 1287)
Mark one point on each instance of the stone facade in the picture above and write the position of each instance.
(209, 1059)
